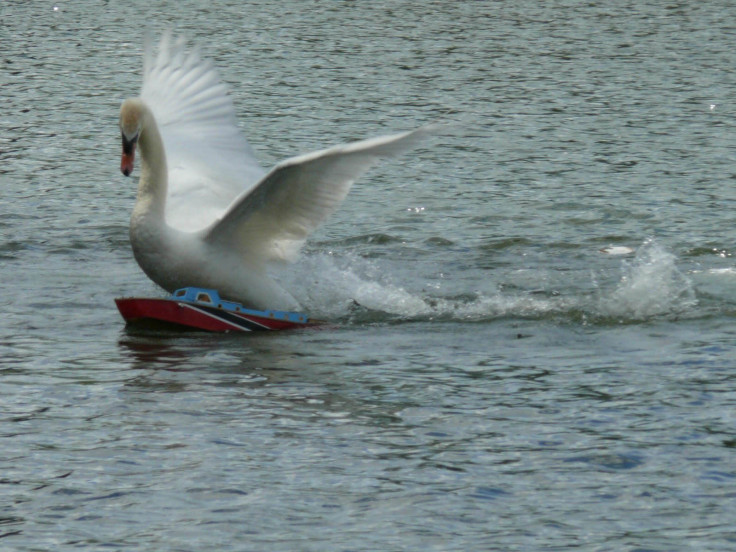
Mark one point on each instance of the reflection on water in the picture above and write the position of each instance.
(172, 349)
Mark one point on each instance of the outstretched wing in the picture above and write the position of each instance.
(271, 221)
(209, 161)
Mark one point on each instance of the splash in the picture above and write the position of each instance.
(341, 287)
(650, 286)
(350, 287)
(338, 285)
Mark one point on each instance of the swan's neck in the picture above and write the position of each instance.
(152, 186)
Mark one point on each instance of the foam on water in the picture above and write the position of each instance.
(649, 285)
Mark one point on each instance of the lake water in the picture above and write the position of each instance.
(500, 375)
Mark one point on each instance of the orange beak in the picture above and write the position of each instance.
(126, 163)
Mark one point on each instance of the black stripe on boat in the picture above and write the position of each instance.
(238, 322)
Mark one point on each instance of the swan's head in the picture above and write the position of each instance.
(131, 118)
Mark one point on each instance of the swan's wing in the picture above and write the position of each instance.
(209, 161)
(271, 221)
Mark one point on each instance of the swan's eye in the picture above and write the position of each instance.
(129, 145)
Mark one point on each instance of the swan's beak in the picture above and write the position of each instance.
(126, 163)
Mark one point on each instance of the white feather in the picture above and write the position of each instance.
(272, 220)
(209, 161)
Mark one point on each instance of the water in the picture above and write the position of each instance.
(501, 373)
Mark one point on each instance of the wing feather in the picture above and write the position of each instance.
(271, 221)
(209, 161)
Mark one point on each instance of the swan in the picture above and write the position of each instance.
(206, 214)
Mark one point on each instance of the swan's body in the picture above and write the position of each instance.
(206, 214)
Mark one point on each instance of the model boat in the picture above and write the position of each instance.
(204, 309)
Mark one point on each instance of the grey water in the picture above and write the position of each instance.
(532, 341)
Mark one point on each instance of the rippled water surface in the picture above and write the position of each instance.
(533, 344)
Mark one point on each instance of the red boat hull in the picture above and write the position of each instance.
(201, 317)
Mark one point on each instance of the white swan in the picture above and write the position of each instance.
(206, 214)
